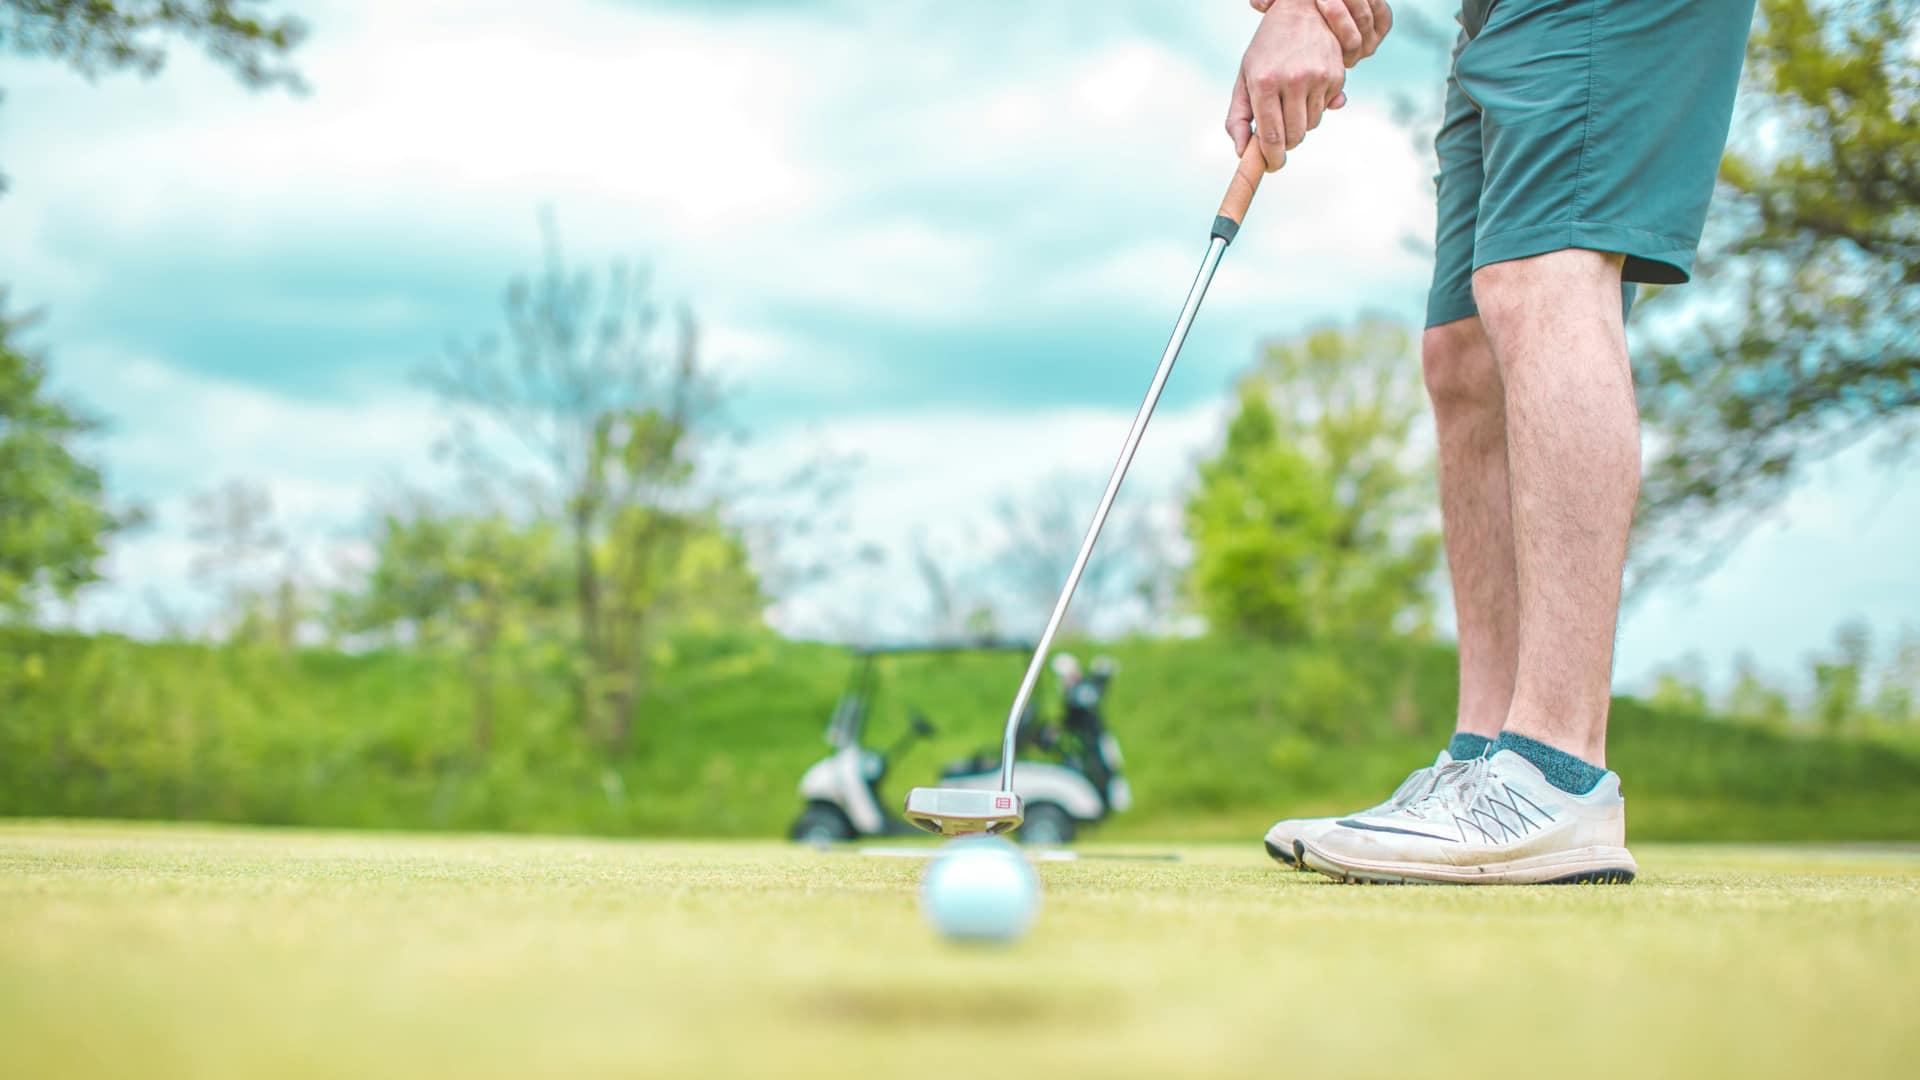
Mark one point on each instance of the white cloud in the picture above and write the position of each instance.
(940, 165)
(937, 476)
(196, 428)
(787, 160)
(323, 464)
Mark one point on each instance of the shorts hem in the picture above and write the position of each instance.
(1443, 308)
(1652, 258)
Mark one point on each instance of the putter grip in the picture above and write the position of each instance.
(1246, 181)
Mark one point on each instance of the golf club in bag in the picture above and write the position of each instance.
(962, 811)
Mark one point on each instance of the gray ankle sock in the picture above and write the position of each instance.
(1570, 774)
(1465, 747)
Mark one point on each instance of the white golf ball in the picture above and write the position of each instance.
(980, 888)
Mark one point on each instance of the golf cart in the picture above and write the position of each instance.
(1069, 777)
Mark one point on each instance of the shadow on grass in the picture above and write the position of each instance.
(999, 1007)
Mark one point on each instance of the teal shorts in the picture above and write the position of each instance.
(1593, 124)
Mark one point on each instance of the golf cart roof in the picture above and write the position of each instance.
(850, 712)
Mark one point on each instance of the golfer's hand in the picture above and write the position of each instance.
(1359, 24)
(1292, 71)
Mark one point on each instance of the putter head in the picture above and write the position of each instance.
(963, 811)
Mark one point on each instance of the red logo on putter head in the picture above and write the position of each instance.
(1002, 803)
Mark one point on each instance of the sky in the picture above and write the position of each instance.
(945, 239)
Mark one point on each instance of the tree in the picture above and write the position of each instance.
(101, 36)
(1850, 690)
(1681, 686)
(1853, 692)
(1259, 522)
(486, 587)
(1314, 519)
(1804, 337)
(1753, 700)
(1897, 701)
(1839, 680)
(958, 606)
(476, 583)
(591, 411)
(95, 37)
(54, 517)
(1043, 527)
(1003, 573)
(246, 558)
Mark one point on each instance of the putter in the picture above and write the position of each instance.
(964, 811)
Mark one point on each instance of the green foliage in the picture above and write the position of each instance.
(1852, 688)
(244, 558)
(54, 516)
(1752, 699)
(1221, 737)
(96, 36)
(1679, 689)
(1258, 520)
(475, 585)
(1855, 690)
(1309, 521)
(607, 400)
(1897, 703)
(705, 583)
(442, 578)
(1837, 688)
(1805, 337)
(499, 594)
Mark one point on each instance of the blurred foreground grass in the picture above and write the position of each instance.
(209, 952)
(1221, 737)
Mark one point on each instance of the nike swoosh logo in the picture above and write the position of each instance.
(1349, 823)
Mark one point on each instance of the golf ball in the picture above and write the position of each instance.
(980, 888)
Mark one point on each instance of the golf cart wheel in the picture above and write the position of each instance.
(821, 823)
(1047, 825)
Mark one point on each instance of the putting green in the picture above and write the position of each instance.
(178, 951)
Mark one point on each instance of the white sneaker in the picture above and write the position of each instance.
(1494, 820)
(1284, 839)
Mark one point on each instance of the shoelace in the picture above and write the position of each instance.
(1468, 795)
(1455, 787)
(1418, 785)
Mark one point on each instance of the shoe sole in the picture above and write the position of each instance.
(1291, 857)
(1581, 866)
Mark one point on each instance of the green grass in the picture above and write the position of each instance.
(208, 952)
(1221, 738)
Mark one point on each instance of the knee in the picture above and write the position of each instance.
(1459, 367)
(1571, 279)
(1503, 288)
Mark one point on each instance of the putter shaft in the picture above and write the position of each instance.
(952, 812)
(1216, 247)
